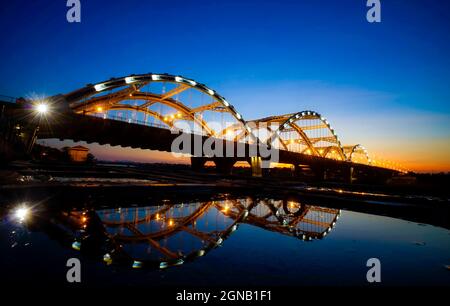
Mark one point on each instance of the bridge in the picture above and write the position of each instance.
(154, 111)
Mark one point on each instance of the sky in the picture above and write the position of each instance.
(384, 85)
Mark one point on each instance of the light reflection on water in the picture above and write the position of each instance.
(242, 241)
(172, 234)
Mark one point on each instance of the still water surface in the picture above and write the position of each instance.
(227, 242)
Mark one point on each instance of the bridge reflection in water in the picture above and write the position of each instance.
(172, 234)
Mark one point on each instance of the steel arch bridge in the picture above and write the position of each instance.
(176, 102)
(151, 111)
(168, 235)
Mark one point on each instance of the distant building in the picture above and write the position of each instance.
(78, 153)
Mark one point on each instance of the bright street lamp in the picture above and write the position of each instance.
(42, 108)
(21, 213)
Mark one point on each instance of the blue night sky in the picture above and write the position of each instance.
(385, 85)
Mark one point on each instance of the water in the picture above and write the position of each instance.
(224, 241)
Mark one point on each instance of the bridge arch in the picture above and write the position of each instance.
(357, 149)
(138, 94)
(296, 129)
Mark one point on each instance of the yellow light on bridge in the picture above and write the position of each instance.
(156, 77)
(170, 222)
(292, 204)
(308, 152)
(100, 87)
(281, 165)
(99, 109)
(130, 80)
(179, 115)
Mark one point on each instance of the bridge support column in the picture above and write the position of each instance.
(296, 170)
(320, 173)
(255, 162)
(349, 175)
(197, 163)
(224, 165)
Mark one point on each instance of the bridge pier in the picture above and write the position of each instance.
(320, 173)
(197, 163)
(349, 175)
(296, 170)
(255, 163)
(224, 165)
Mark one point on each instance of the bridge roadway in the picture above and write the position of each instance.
(77, 127)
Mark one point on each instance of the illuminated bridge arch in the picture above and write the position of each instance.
(357, 154)
(308, 132)
(170, 101)
(304, 132)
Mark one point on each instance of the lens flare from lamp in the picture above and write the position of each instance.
(42, 108)
(22, 213)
